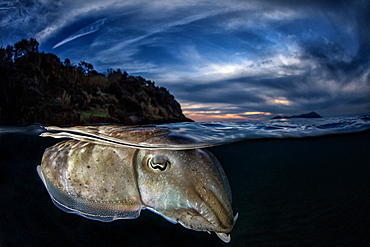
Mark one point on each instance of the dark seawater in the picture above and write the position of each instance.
(294, 183)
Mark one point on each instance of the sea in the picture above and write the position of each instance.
(294, 182)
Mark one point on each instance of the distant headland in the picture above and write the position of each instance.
(306, 115)
(38, 87)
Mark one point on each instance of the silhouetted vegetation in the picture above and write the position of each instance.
(38, 87)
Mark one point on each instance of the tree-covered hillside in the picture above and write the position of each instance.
(38, 87)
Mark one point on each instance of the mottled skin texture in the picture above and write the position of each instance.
(105, 183)
(95, 173)
(193, 191)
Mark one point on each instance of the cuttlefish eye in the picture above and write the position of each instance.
(159, 163)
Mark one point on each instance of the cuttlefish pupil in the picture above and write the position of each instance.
(159, 162)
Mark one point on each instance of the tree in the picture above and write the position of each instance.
(86, 68)
(24, 46)
(67, 62)
(39, 87)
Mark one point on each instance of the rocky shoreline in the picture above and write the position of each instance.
(38, 87)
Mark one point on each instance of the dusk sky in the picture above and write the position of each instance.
(222, 60)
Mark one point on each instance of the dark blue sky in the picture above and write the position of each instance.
(222, 60)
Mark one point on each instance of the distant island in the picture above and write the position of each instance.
(307, 115)
(38, 87)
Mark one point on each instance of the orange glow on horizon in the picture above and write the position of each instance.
(207, 116)
(281, 101)
(229, 116)
(257, 113)
(278, 101)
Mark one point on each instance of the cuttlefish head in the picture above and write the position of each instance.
(187, 187)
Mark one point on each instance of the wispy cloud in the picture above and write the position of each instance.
(224, 59)
(89, 29)
(7, 6)
(149, 30)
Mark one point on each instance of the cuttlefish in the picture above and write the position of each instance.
(107, 173)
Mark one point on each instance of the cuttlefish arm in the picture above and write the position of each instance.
(115, 135)
(224, 236)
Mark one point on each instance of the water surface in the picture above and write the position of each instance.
(295, 182)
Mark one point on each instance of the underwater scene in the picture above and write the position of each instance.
(294, 182)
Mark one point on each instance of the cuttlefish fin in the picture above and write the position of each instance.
(93, 210)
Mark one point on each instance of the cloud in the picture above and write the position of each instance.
(6, 6)
(44, 19)
(147, 30)
(228, 58)
(89, 29)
